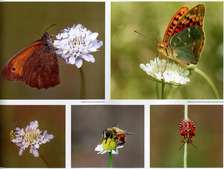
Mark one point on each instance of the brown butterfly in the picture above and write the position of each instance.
(36, 65)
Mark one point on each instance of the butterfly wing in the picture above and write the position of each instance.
(188, 36)
(187, 44)
(36, 65)
(194, 16)
(41, 70)
(174, 21)
(14, 68)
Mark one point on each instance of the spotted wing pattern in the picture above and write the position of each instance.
(174, 21)
(193, 17)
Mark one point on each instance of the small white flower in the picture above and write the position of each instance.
(31, 136)
(99, 148)
(173, 73)
(76, 43)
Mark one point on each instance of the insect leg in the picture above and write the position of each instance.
(182, 145)
(166, 63)
(194, 145)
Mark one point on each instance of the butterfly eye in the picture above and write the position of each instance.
(48, 45)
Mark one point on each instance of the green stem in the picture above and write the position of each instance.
(210, 82)
(44, 160)
(83, 85)
(185, 155)
(185, 111)
(110, 156)
(162, 92)
(157, 90)
(185, 145)
(168, 89)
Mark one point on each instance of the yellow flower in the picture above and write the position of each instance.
(109, 144)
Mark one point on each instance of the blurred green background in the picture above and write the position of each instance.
(50, 118)
(88, 122)
(129, 49)
(165, 138)
(25, 22)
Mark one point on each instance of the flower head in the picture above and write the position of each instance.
(108, 145)
(30, 136)
(76, 43)
(173, 73)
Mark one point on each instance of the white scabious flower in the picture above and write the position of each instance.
(76, 43)
(30, 136)
(173, 73)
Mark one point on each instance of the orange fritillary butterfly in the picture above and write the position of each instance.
(184, 37)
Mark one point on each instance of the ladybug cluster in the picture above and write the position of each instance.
(187, 129)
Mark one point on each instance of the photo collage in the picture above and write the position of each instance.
(111, 84)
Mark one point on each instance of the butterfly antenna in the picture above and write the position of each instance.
(156, 39)
(49, 27)
(142, 35)
(182, 145)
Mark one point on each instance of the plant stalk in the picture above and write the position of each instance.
(110, 156)
(185, 145)
(210, 82)
(48, 165)
(83, 84)
(162, 90)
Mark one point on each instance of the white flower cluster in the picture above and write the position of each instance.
(165, 72)
(76, 43)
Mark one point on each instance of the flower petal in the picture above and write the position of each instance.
(72, 60)
(78, 62)
(20, 151)
(34, 151)
(89, 58)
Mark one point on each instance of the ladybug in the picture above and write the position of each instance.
(187, 129)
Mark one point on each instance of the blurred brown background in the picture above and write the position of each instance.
(25, 22)
(88, 122)
(50, 118)
(165, 138)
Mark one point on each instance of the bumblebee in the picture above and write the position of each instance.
(12, 134)
(115, 133)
